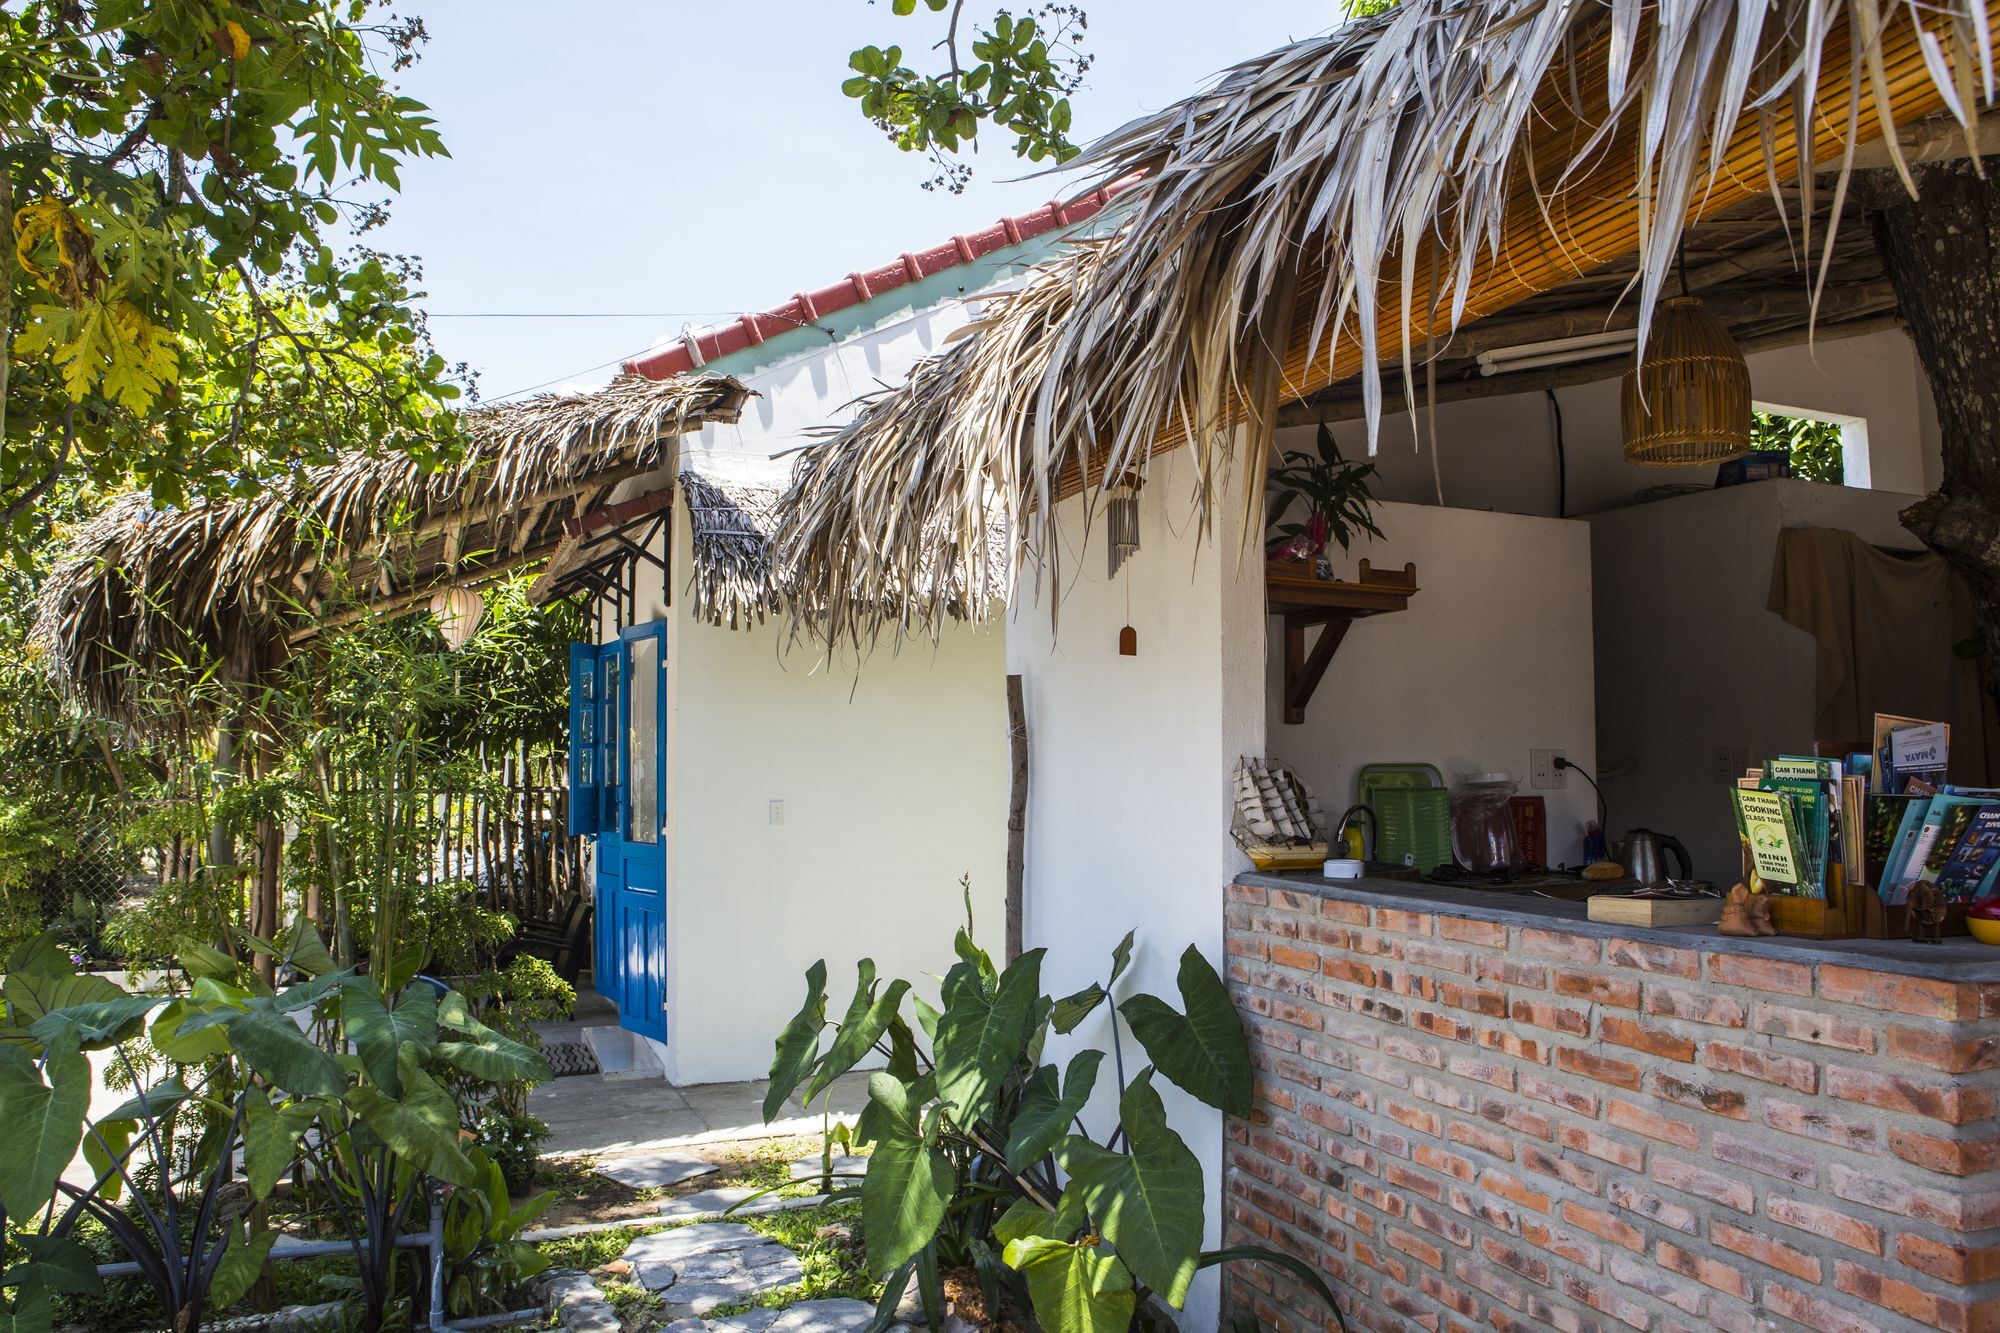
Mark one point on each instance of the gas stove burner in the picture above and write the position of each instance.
(1514, 877)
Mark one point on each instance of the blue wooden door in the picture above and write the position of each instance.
(618, 792)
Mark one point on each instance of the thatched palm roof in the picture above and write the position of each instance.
(1328, 207)
(236, 580)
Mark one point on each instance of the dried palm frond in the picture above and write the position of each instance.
(223, 579)
(1327, 207)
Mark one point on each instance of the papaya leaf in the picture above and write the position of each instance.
(1203, 1051)
(982, 1033)
(909, 1181)
(44, 1123)
(1148, 1200)
(1046, 1112)
(1075, 1287)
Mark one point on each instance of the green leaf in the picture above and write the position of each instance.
(32, 995)
(242, 1260)
(1073, 1009)
(271, 1139)
(1121, 958)
(54, 1263)
(103, 1149)
(1046, 1112)
(1075, 1288)
(1301, 1271)
(95, 1023)
(496, 1059)
(33, 1312)
(867, 1018)
(982, 1034)
(379, 1032)
(187, 1048)
(272, 1045)
(1204, 1051)
(909, 1181)
(160, 1099)
(1025, 1217)
(1148, 1200)
(44, 1123)
(421, 1126)
(201, 960)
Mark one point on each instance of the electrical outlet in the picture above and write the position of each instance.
(777, 813)
(1543, 775)
(1727, 764)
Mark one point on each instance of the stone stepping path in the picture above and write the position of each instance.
(831, 1316)
(720, 1201)
(844, 1164)
(708, 1265)
(655, 1170)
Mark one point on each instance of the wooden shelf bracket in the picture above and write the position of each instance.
(1303, 601)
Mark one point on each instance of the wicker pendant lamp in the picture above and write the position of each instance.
(1687, 400)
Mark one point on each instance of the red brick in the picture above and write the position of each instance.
(1285, 955)
(1604, 1225)
(1400, 922)
(1529, 1267)
(1693, 1007)
(1961, 1157)
(1596, 988)
(1944, 1050)
(1785, 1070)
(1491, 1003)
(1414, 1117)
(1489, 934)
(1509, 972)
(1295, 900)
(1760, 973)
(1556, 1017)
(1412, 1052)
(1598, 1297)
(1835, 1226)
(1709, 1272)
(1956, 1209)
(1445, 1163)
(1247, 893)
(1764, 1159)
(1766, 1250)
(1903, 995)
(1648, 1205)
(1819, 1315)
(1490, 1072)
(1907, 1300)
(1704, 1184)
(1645, 956)
(1523, 1120)
(1821, 1029)
(1576, 1174)
(1828, 1126)
(1484, 1140)
(1603, 1147)
(1351, 970)
(1351, 914)
(1564, 1095)
(1490, 1282)
(1650, 1123)
(1565, 1245)
(1955, 1105)
(1703, 1097)
(1437, 957)
(1653, 1041)
(1507, 1043)
(1960, 1265)
(1512, 1190)
(1660, 1283)
(1421, 1250)
(1554, 944)
(1442, 1025)
(1618, 1073)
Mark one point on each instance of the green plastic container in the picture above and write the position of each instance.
(1412, 813)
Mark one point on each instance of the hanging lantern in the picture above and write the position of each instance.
(1687, 401)
(458, 612)
(1121, 521)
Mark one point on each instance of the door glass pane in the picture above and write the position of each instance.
(607, 772)
(643, 750)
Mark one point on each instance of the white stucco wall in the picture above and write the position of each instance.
(1130, 765)
(1499, 453)
(1491, 659)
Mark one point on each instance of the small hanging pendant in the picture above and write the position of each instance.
(1128, 642)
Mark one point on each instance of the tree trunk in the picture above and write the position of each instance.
(1942, 253)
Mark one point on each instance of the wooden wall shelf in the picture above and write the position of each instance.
(1291, 592)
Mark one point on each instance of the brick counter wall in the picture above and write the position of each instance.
(1470, 1124)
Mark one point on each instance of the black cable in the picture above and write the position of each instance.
(1562, 458)
(1603, 814)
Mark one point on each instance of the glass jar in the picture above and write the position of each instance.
(1482, 826)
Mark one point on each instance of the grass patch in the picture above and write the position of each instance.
(832, 1262)
(590, 1251)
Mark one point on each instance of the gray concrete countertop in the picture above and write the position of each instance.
(1958, 958)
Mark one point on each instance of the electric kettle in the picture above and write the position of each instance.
(1641, 853)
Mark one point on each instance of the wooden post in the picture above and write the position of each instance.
(1017, 813)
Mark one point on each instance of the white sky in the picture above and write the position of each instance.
(687, 161)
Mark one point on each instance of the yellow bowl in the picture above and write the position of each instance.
(1984, 929)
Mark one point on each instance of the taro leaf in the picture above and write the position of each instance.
(44, 1123)
(455, 1015)
(909, 1181)
(421, 1126)
(1148, 1200)
(1071, 1010)
(1046, 1113)
(300, 945)
(30, 995)
(33, 1312)
(867, 1018)
(981, 1035)
(902, 1050)
(96, 1022)
(1121, 958)
(242, 1260)
(980, 961)
(893, 1288)
(309, 993)
(160, 1099)
(496, 1059)
(271, 1139)
(1025, 1217)
(201, 960)
(379, 1032)
(1075, 1287)
(187, 1047)
(41, 956)
(405, 966)
(1203, 1051)
(103, 1149)
(272, 1045)
(927, 1017)
(54, 1263)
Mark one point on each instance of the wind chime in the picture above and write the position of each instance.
(1121, 525)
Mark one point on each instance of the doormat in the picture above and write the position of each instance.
(569, 1058)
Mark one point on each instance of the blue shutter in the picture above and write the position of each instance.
(583, 776)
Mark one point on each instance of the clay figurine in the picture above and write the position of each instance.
(1926, 910)
(1760, 914)
(1736, 918)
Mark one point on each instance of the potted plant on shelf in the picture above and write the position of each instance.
(1337, 500)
